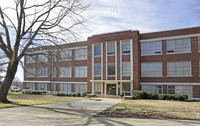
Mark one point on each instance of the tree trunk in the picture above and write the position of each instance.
(10, 74)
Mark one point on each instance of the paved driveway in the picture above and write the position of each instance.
(79, 113)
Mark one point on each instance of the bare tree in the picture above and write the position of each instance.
(47, 21)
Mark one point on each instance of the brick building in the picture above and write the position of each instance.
(116, 63)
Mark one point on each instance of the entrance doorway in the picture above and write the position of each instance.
(111, 89)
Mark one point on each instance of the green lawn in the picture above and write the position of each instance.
(26, 99)
(161, 108)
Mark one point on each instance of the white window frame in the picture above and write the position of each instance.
(129, 48)
(175, 68)
(114, 69)
(148, 48)
(99, 74)
(150, 63)
(97, 87)
(174, 41)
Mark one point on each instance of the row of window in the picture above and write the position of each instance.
(172, 46)
(111, 47)
(80, 71)
(65, 55)
(64, 88)
(126, 69)
(154, 69)
(171, 89)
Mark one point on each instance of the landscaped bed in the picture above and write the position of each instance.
(20, 99)
(154, 109)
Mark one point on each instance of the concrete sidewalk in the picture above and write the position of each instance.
(63, 115)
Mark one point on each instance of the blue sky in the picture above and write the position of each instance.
(143, 15)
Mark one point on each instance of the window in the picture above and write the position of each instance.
(97, 49)
(79, 88)
(125, 46)
(30, 86)
(42, 72)
(81, 71)
(54, 56)
(53, 87)
(180, 68)
(65, 88)
(30, 72)
(151, 69)
(151, 48)
(97, 69)
(199, 43)
(43, 57)
(66, 55)
(65, 72)
(126, 86)
(81, 54)
(54, 72)
(111, 48)
(152, 89)
(171, 89)
(126, 69)
(178, 46)
(42, 86)
(30, 59)
(111, 69)
(97, 87)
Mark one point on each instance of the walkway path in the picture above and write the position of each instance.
(79, 113)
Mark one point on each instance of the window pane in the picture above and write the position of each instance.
(81, 54)
(66, 55)
(97, 69)
(42, 72)
(181, 68)
(126, 86)
(65, 71)
(43, 57)
(97, 50)
(126, 69)
(151, 69)
(151, 48)
(97, 87)
(81, 71)
(125, 46)
(30, 72)
(111, 48)
(178, 45)
(111, 68)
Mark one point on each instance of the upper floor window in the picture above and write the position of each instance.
(54, 72)
(111, 69)
(54, 55)
(178, 46)
(66, 55)
(97, 49)
(179, 68)
(111, 48)
(151, 69)
(81, 54)
(42, 72)
(30, 59)
(126, 69)
(43, 57)
(151, 48)
(97, 69)
(30, 72)
(81, 71)
(65, 72)
(125, 46)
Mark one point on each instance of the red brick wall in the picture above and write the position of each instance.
(196, 91)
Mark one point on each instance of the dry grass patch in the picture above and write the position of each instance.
(161, 108)
(26, 99)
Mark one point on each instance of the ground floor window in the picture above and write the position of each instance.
(30, 86)
(79, 88)
(97, 87)
(152, 89)
(171, 89)
(180, 90)
(53, 87)
(65, 88)
(42, 86)
(126, 86)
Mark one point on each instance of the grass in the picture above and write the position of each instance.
(20, 99)
(161, 108)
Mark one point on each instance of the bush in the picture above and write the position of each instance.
(84, 93)
(138, 94)
(180, 97)
(78, 94)
(152, 96)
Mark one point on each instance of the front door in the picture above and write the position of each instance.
(111, 89)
